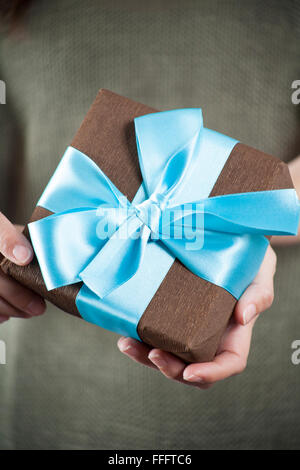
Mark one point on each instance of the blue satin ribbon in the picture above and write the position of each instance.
(122, 251)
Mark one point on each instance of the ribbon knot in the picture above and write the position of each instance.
(150, 212)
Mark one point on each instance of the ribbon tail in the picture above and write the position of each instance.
(119, 259)
(274, 212)
(228, 260)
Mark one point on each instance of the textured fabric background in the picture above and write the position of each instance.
(65, 385)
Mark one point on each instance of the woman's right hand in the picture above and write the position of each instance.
(294, 167)
(15, 299)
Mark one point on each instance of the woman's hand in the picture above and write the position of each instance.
(16, 300)
(231, 358)
(294, 167)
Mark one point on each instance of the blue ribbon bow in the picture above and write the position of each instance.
(122, 251)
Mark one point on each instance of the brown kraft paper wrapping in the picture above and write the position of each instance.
(188, 315)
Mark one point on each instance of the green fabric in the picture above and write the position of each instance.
(65, 385)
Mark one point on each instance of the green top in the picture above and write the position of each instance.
(65, 385)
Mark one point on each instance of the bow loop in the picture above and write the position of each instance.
(79, 183)
(165, 144)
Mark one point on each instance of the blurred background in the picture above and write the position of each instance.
(65, 385)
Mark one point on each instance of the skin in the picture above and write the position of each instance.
(16, 301)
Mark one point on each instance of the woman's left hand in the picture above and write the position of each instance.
(232, 355)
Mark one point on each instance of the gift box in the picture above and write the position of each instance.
(163, 291)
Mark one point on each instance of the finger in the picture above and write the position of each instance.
(294, 167)
(13, 245)
(231, 360)
(260, 294)
(8, 310)
(135, 350)
(171, 366)
(225, 365)
(20, 297)
(139, 353)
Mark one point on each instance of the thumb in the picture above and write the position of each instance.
(14, 245)
(260, 294)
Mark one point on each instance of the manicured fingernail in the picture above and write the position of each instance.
(124, 346)
(35, 307)
(193, 378)
(157, 360)
(22, 254)
(249, 313)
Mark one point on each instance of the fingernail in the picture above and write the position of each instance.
(157, 360)
(193, 378)
(22, 254)
(36, 307)
(249, 313)
(124, 346)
